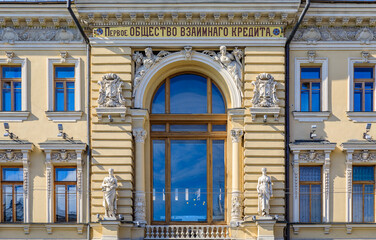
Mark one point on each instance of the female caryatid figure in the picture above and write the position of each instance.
(264, 190)
(109, 186)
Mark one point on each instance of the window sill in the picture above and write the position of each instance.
(362, 116)
(323, 226)
(13, 116)
(311, 116)
(63, 116)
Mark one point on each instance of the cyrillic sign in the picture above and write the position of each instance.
(189, 32)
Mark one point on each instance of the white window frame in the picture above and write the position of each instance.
(25, 149)
(324, 113)
(350, 149)
(49, 149)
(68, 116)
(326, 149)
(359, 116)
(18, 116)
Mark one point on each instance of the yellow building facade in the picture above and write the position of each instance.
(185, 103)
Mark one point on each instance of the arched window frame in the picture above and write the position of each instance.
(202, 118)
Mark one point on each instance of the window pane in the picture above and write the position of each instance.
(158, 128)
(357, 203)
(70, 85)
(218, 180)
(188, 180)
(11, 72)
(218, 104)
(70, 99)
(368, 95)
(17, 99)
(65, 174)
(19, 203)
(310, 73)
(304, 99)
(315, 203)
(159, 101)
(72, 204)
(363, 72)
(188, 94)
(368, 203)
(316, 100)
(304, 203)
(188, 128)
(64, 72)
(159, 156)
(59, 99)
(7, 100)
(358, 99)
(219, 128)
(310, 174)
(60, 203)
(12, 174)
(7, 203)
(363, 174)
(59, 84)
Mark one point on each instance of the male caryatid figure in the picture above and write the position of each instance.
(264, 190)
(109, 186)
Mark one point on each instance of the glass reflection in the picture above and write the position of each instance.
(188, 180)
(218, 180)
(159, 100)
(159, 156)
(188, 94)
(218, 104)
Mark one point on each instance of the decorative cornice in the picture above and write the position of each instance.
(10, 156)
(312, 35)
(62, 35)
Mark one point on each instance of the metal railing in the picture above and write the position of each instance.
(187, 232)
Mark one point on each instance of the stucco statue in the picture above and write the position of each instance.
(111, 92)
(265, 192)
(144, 63)
(264, 91)
(231, 62)
(109, 186)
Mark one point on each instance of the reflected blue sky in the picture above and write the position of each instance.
(12, 174)
(65, 174)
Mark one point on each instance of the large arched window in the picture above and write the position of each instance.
(188, 134)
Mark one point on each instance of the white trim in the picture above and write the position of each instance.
(327, 148)
(24, 78)
(48, 148)
(51, 62)
(350, 105)
(311, 116)
(235, 95)
(324, 81)
(64, 116)
(331, 45)
(14, 116)
(362, 116)
(43, 45)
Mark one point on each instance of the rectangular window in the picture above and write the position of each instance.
(65, 195)
(10, 88)
(363, 89)
(310, 91)
(64, 83)
(12, 194)
(363, 194)
(310, 194)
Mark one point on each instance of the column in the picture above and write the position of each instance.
(295, 183)
(236, 210)
(26, 188)
(80, 202)
(349, 186)
(326, 187)
(49, 178)
(139, 197)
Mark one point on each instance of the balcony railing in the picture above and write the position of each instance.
(187, 232)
